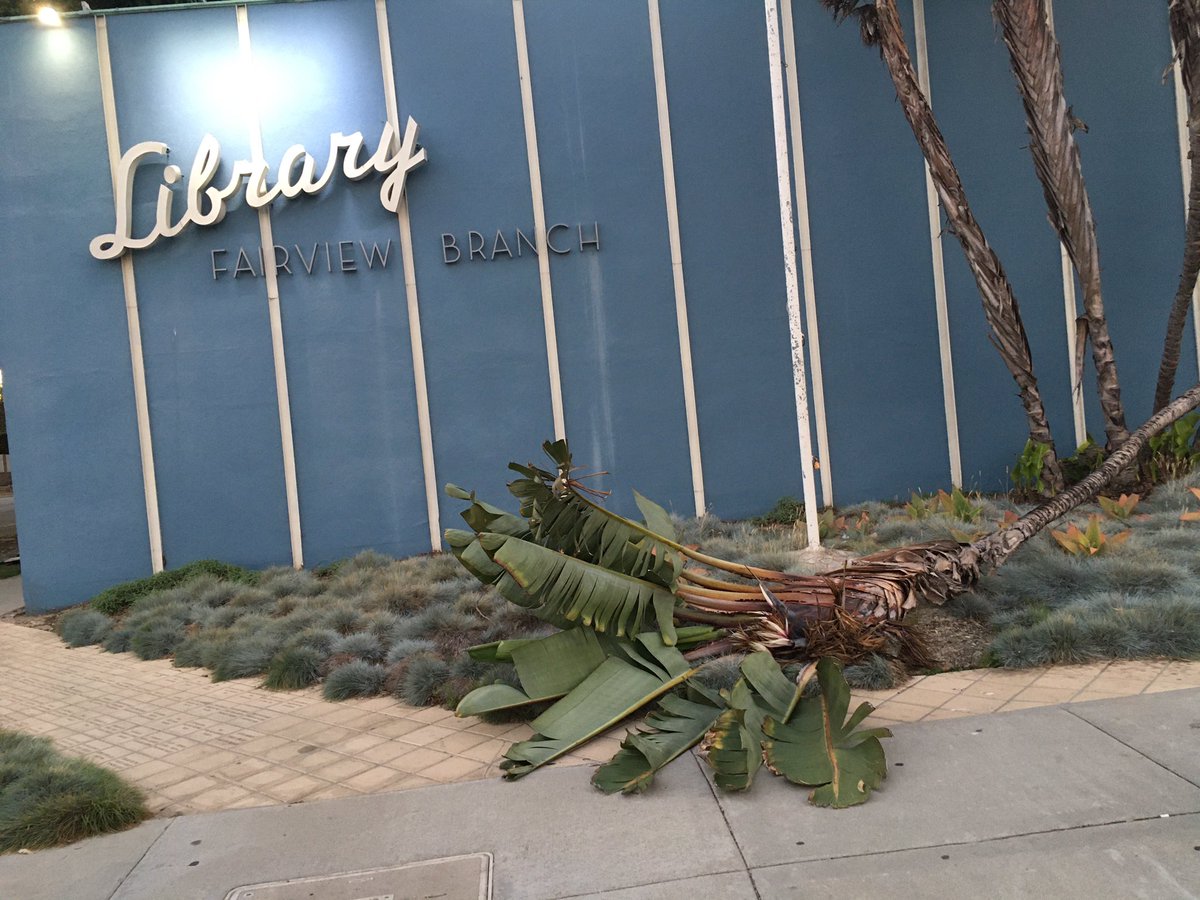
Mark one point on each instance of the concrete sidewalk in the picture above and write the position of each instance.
(1098, 799)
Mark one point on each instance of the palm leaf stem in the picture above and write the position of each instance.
(695, 555)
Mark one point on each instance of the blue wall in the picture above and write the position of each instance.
(349, 337)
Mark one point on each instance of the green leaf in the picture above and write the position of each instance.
(616, 689)
(466, 549)
(819, 747)
(554, 665)
(563, 519)
(578, 591)
(670, 730)
(497, 651)
(657, 519)
(733, 752)
(489, 698)
(547, 668)
(769, 682)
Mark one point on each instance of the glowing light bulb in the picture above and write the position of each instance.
(48, 15)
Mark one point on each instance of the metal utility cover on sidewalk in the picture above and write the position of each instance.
(449, 878)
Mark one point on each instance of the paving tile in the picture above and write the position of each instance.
(217, 798)
(268, 777)
(375, 779)
(342, 769)
(989, 688)
(966, 704)
(897, 711)
(296, 789)
(924, 697)
(386, 752)
(184, 790)
(426, 735)
(1046, 695)
(417, 761)
(453, 769)
(396, 728)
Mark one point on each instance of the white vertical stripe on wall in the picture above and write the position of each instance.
(132, 318)
(267, 240)
(787, 229)
(1181, 115)
(1071, 315)
(681, 310)
(539, 220)
(800, 173)
(949, 396)
(424, 425)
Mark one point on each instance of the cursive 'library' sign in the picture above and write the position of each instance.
(207, 203)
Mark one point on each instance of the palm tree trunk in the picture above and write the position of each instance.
(880, 26)
(1185, 33)
(991, 551)
(1036, 63)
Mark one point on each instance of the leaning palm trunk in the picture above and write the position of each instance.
(993, 550)
(880, 26)
(1036, 63)
(1185, 33)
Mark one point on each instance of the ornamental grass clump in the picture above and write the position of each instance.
(82, 627)
(357, 678)
(47, 799)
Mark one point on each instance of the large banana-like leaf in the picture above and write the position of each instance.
(733, 752)
(607, 601)
(547, 668)
(735, 746)
(677, 725)
(466, 549)
(561, 518)
(483, 516)
(819, 747)
(620, 686)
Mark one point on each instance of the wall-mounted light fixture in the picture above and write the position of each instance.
(48, 15)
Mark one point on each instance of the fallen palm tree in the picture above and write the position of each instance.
(637, 608)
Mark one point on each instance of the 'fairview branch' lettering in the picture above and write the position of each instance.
(482, 247)
(207, 203)
(338, 256)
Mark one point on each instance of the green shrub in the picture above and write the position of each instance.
(403, 649)
(357, 678)
(81, 627)
(424, 675)
(47, 799)
(362, 645)
(786, 511)
(120, 597)
(873, 673)
(294, 667)
(244, 656)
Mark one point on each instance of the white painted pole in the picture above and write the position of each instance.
(945, 346)
(786, 225)
(416, 343)
(806, 256)
(539, 220)
(270, 276)
(681, 309)
(133, 322)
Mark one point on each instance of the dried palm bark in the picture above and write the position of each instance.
(880, 26)
(1037, 65)
(991, 551)
(1185, 34)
